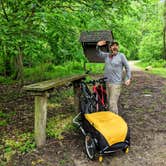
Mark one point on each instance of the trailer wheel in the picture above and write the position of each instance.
(126, 150)
(90, 146)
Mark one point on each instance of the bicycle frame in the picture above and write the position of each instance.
(89, 101)
(97, 96)
(100, 97)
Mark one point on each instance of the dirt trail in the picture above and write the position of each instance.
(143, 106)
(133, 66)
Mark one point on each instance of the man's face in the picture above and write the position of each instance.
(114, 48)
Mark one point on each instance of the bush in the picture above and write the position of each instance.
(151, 47)
(6, 80)
(154, 63)
(50, 71)
(159, 63)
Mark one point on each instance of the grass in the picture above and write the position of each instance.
(159, 71)
(50, 71)
(60, 123)
(19, 143)
(6, 80)
(5, 117)
(57, 125)
(157, 67)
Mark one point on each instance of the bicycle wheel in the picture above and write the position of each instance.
(90, 146)
(94, 104)
(87, 106)
(82, 105)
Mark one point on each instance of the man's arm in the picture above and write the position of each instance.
(127, 68)
(99, 52)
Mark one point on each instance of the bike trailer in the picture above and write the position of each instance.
(107, 132)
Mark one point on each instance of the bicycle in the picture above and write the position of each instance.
(100, 93)
(97, 99)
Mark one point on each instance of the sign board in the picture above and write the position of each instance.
(89, 40)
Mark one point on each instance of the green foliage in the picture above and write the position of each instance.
(158, 64)
(43, 33)
(159, 71)
(62, 95)
(151, 44)
(59, 124)
(3, 123)
(3, 115)
(7, 80)
(50, 71)
(158, 67)
(23, 143)
(38, 33)
(95, 68)
(151, 49)
(154, 63)
(5, 118)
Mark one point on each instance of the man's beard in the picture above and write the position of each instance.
(115, 49)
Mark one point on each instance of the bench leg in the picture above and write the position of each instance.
(40, 119)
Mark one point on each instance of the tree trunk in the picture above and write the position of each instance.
(7, 67)
(6, 61)
(19, 65)
(164, 32)
(164, 42)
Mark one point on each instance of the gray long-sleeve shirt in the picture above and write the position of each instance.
(114, 66)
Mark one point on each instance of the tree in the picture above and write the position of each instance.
(164, 32)
(37, 31)
(34, 32)
(151, 25)
(23, 40)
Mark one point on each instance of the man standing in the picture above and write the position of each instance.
(114, 63)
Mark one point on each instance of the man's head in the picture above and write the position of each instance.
(114, 47)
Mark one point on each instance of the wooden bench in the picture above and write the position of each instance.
(41, 91)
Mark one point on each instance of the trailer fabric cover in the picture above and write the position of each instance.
(110, 125)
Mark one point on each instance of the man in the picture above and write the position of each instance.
(114, 63)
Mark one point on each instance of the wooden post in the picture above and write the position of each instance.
(40, 119)
(76, 89)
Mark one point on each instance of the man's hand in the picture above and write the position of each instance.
(127, 82)
(101, 43)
